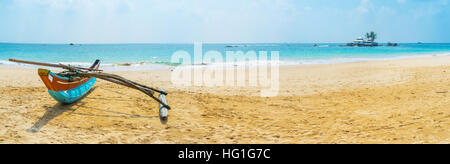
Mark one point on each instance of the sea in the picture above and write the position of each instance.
(159, 56)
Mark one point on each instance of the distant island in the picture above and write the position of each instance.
(369, 41)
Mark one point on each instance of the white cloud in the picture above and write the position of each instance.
(103, 21)
(79, 5)
(365, 6)
(401, 1)
(443, 2)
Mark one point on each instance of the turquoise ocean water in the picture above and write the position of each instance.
(160, 54)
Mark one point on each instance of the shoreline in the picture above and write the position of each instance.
(396, 101)
(142, 66)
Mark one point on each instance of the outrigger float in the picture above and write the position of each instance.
(74, 83)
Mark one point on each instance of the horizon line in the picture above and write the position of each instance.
(74, 43)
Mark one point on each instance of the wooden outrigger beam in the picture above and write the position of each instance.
(125, 82)
(52, 65)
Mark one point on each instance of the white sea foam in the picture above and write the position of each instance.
(152, 66)
(5, 62)
(136, 67)
(355, 60)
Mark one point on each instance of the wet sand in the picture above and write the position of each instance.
(399, 101)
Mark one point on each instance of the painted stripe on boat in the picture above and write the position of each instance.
(60, 82)
(72, 95)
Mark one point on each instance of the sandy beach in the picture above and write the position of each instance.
(397, 101)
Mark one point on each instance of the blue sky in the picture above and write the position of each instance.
(187, 21)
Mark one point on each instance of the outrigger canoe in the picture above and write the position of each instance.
(74, 83)
(67, 89)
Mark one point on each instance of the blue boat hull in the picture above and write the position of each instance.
(74, 94)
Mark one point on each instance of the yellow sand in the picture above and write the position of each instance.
(401, 101)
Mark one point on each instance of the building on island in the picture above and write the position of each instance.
(360, 42)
